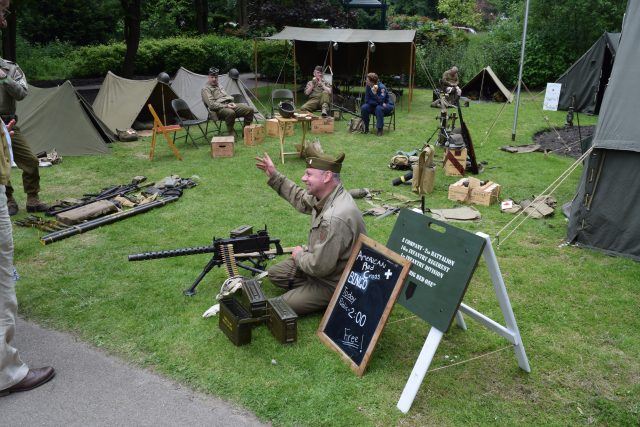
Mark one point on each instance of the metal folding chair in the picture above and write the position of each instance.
(186, 119)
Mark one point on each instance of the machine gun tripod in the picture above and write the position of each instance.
(242, 244)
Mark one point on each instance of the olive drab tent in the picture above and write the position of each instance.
(188, 86)
(59, 118)
(584, 83)
(486, 86)
(122, 103)
(604, 213)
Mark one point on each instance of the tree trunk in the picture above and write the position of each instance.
(132, 18)
(243, 19)
(9, 36)
(202, 15)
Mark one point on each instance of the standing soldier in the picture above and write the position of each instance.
(13, 87)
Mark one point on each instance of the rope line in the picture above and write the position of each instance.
(469, 360)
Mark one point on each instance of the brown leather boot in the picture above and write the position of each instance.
(12, 206)
(34, 204)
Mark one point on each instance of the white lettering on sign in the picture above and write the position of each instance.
(348, 295)
(358, 280)
(371, 262)
(428, 261)
(351, 340)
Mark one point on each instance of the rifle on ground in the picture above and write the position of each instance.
(242, 244)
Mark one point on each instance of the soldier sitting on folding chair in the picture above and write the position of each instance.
(218, 101)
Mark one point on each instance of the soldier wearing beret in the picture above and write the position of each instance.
(221, 103)
(319, 92)
(311, 274)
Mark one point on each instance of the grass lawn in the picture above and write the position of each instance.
(576, 309)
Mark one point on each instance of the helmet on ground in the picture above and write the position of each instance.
(286, 109)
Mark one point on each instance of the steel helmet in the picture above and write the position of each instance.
(286, 109)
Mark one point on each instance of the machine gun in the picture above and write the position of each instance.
(242, 244)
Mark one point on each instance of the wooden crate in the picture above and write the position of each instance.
(222, 146)
(486, 194)
(272, 128)
(461, 156)
(323, 125)
(254, 134)
(458, 192)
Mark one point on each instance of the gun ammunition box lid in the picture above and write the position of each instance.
(252, 291)
(242, 230)
(281, 309)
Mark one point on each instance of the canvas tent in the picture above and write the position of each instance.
(59, 118)
(604, 213)
(122, 102)
(188, 86)
(352, 52)
(584, 83)
(486, 86)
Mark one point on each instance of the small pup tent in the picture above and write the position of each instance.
(188, 86)
(486, 86)
(59, 118)
(584, 83)
(604, 211)
(122, 102)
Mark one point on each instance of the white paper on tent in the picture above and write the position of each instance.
(552, 97)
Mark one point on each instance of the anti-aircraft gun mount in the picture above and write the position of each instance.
(242, 243)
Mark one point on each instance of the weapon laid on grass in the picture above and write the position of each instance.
(255, 248)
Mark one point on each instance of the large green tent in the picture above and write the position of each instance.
(604, 213)
(59, 118)
(122, 102)
(584, 83)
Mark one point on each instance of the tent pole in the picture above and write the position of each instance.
(295, 82)
(412, 55)
(255, 67)
(524, 39)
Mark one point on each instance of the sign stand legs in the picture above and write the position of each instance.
(510, 332)
(420, 369)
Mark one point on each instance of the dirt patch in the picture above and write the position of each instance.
(565, 141)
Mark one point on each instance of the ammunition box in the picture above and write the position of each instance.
(235, 321)
(282, 321)
(253, 299)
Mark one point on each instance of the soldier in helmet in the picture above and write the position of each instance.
(319, 92)
(13, 87)
(311, 274)
(221, 103)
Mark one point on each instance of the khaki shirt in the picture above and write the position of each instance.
(315, 90)
(336, 223)
(5, 158)
(214, 97)
(13, 88)
(450, 78)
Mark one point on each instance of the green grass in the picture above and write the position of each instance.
(576, 309)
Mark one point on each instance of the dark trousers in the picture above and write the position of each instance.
(378, 110)
(27, 162)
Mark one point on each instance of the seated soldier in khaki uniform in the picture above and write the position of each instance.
(221, 103)
(311, 274)
(319, 92)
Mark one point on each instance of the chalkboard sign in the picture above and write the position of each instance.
(443, 259)
(362, 301)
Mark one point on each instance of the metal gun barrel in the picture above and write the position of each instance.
(172, 253)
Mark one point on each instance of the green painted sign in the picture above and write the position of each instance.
(443, 259)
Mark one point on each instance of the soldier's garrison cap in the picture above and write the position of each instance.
(213, 71)
(325, 162)
(318, 68)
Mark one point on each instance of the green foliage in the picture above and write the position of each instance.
(461, 12)
(78, 22)
(166, 18)
(194, 53)
(48, 62)
(272, 63)
(567, 301)
(297, 13)
(415, 8)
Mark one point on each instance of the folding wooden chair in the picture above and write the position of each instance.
(158, 126)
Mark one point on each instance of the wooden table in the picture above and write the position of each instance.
(305, 121)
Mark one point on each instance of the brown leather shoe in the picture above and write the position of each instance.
(12, 206)
(35, 378)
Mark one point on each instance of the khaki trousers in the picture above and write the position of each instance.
(12, 369)
(314, 104)
(304, 295)
(27, 162)
(230, 115)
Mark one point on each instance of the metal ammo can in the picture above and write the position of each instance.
(253, 299)
(282, 321)
(235, 321)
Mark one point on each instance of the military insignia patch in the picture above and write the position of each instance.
(323, 234)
